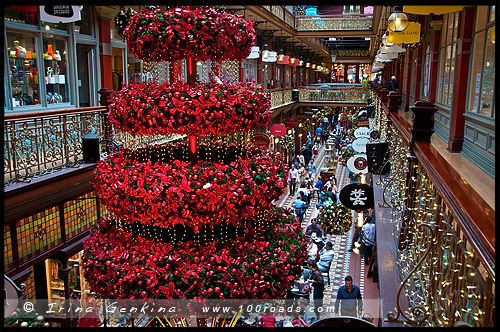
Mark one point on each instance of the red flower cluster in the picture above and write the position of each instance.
(150, 185)
(181, 33)
(120, 265)
(205, 109)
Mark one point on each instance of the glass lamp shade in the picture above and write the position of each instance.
(397, 22)
(271, 57)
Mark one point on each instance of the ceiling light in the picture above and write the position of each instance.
(398, 21)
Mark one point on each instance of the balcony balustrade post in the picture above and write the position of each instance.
(383, 95)
(105, 99)
(423, 121)
(394, 101)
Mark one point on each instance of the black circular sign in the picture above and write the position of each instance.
(374, 134)
(357, 196)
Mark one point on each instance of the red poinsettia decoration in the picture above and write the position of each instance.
(204, 109)
(176, 34)
(153, 186)
(261, 264)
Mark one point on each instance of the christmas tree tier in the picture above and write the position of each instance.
(203, 109)
(336, 219)
(261, 264)
(155, 185)
(203, 33)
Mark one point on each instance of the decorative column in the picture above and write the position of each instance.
(104, 17)
(457, 125)
(409, 54)
(436, 24)
(418, 71)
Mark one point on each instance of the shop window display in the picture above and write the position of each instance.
(55, 75)
(23, 71)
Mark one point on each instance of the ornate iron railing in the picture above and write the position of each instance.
(333, 22)
(342, 95)
(447, 274)
(41, 143)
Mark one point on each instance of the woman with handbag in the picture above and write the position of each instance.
(318, 284)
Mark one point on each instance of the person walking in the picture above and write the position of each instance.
(393, 85)
(293, 176)
(318, 284)
(367, 239)
(349, 299)
(307, 153)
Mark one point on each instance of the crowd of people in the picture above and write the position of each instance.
(303, 184)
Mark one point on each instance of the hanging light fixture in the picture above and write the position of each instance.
(398, 21)
(265, 52)
(281, 57)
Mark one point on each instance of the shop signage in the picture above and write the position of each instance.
(363, 123)
(357, 196)
(292, 123)
(358, 164)
(359, 144)
(427, 10)
(278, 130)
(261, 139)
(362, 132)
(410, 35)
(11, 296)
(60, 13)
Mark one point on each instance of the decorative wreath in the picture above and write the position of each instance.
(261, 264)
(176, 34)
(336, 219)
(345, 154)
(286, 141)
(156, 185)
(205, 109)
(122, 20)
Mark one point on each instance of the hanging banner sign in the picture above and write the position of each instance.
(358, 164)
(359, 144)
(363, 123)
(278, 130)
(410, 35)
(292, 123)
(60, 13)
(357, 196)
(362, 132)
(261, 139)
(427, 10)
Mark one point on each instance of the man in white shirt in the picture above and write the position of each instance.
(325, 257)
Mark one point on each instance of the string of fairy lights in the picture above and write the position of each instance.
(451, 285)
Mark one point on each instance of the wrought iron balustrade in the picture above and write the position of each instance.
(330, 94)
(445, 258)
(41, 143)
(333, 22)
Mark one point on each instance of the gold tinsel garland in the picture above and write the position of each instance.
(336, 219)
(286, 141)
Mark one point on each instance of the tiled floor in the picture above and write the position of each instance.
(344, 262)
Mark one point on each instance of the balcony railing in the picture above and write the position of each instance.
(41, 143)
(334, 94)
(442, 234)
(333, 22)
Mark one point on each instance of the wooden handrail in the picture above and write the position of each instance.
(45, 114)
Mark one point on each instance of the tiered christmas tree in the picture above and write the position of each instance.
(192, 220)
